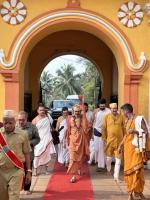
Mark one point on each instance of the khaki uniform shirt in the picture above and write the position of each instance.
(18, 142)
(33, 136)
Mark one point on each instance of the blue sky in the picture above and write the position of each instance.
(56, 63)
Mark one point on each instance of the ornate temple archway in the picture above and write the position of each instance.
(49, 23)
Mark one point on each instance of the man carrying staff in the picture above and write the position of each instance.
(134, 143)
(33, 136)
(78, 141)
(112, 133)
(14, 150)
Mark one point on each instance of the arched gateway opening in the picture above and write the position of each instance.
(71, 74)
(82, 33)
(62, 42)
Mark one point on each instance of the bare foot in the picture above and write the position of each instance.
(34, 172)
(142, 196)
(117, 180)
(109, 173)
(27, 192)
(73, 180)
(66, 165)
(139, 196)
(22, 192)
(47, 173)
(130, 197)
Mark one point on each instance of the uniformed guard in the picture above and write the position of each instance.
(14, 150)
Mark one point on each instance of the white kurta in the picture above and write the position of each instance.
(44, 149)
(63, 153)
(98, 141)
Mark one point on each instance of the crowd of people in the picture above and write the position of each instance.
(102, 136)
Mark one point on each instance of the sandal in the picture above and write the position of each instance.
(73, 180)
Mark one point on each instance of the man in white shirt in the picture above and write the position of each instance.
(98, 141)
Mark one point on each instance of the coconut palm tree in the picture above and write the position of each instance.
(67, 83)
(47, 81)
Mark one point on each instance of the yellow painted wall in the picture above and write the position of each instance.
(2, 96)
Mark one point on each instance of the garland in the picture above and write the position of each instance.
(75, 124)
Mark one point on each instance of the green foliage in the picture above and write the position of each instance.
(90, 81)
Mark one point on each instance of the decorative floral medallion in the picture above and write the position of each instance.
(13, 11)
(130, 14)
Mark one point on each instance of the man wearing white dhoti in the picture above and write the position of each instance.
(61, 127)
(98, 141)
(43, 150)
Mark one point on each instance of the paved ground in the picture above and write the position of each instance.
(105, 188)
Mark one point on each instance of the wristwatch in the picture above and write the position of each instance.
(29, 170)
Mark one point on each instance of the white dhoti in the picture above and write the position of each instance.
(98, 141)
(43, 150)
(99, 151)
(116, 168)
(92, 152)
(63, 153)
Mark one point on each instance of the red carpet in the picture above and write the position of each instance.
(59, 187)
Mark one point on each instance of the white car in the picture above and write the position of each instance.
(74, 99)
